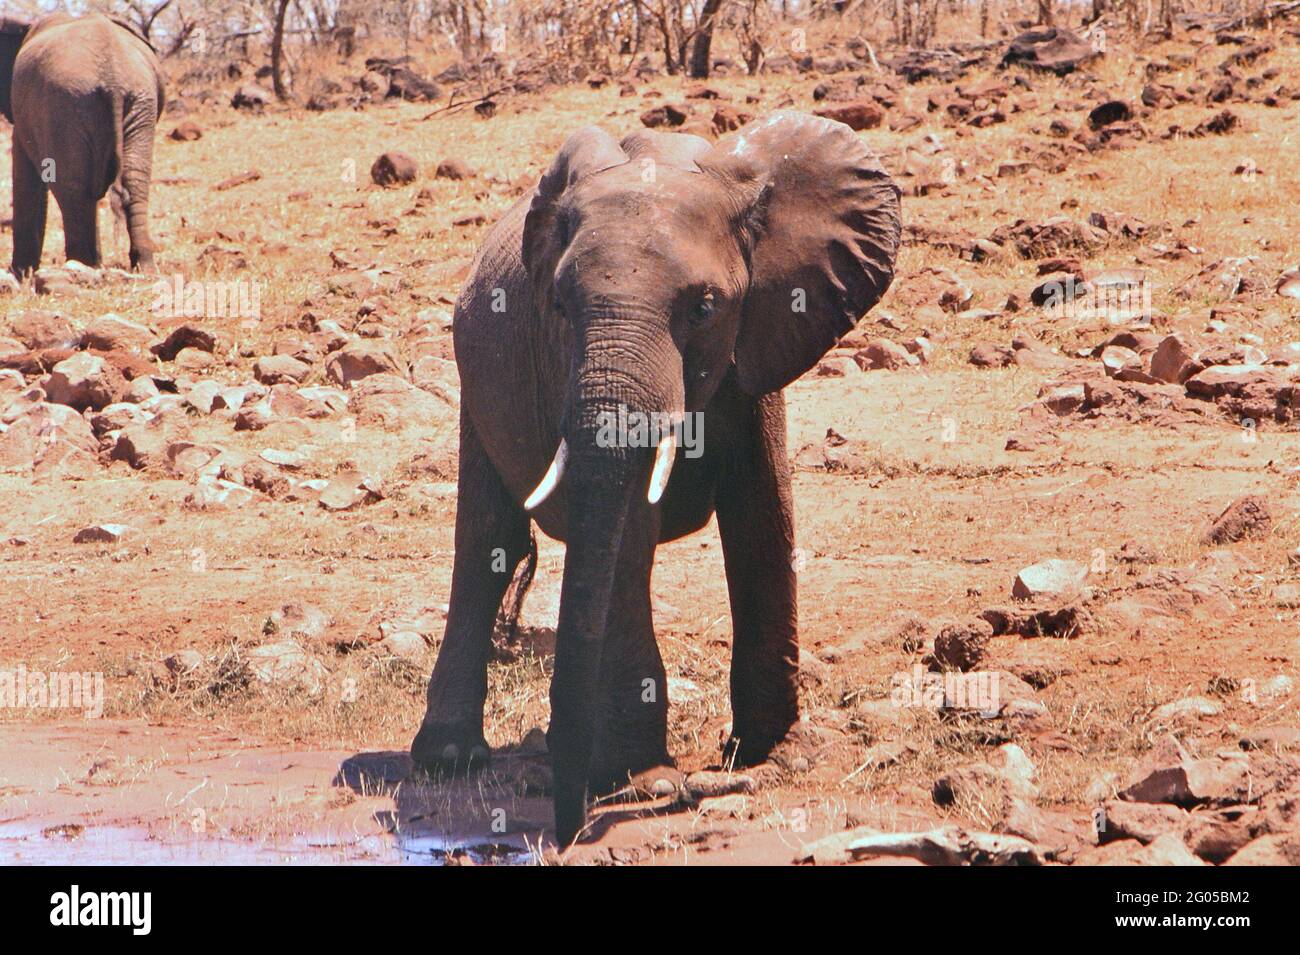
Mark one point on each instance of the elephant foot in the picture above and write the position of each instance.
(446, 749)
(656, 781)
(794, 751)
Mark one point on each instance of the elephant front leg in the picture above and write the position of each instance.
(31, 201)
(756, 520)
(491, 539)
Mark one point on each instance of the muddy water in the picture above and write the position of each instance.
(122, 845)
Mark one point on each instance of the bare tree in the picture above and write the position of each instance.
(704, 38)
(277, 51)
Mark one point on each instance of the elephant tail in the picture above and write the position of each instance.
(117, 118)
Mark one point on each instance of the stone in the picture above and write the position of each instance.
(394, 169)
(186, 131)
(288, 665)
(41, 329)
(109, 332)
(881, 353)
(1049, 578)
(1050, 49)
(1172, 361)
(1278, 849)
(184, 336)
(1144, 822)
(454, 169)
(298, 620)
(1247, 517)
(101, 534)
(963, 646)
(1191, 782)
(251, 97)
(406, 644)
(280, 369)
(347, 489)
(394, 404)
(987, 355)
(211, 492)
(84, 381)
(361, 359)
(1189, 708)
(857, 115)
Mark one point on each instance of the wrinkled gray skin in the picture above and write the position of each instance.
(83, 96)
(664, 274)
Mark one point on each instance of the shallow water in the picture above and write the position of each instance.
(121, 845)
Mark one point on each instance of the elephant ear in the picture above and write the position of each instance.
(588, 151)
(823, 224)
(12, 33)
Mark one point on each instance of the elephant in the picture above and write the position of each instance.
(657, 278)
(83, 96)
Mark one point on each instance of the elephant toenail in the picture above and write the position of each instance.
(478, 754)
(451, 752)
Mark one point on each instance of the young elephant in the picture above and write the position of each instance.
(83, 96)
(660, 274)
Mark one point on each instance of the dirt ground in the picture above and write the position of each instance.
(912, 512)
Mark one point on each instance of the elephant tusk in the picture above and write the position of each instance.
(665, 454)
(551, 478)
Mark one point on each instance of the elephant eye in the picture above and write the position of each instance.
(704, 310)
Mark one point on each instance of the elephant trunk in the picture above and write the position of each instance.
(604, 480)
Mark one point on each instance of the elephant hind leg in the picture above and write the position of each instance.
(31, 201)
(137, 169)
(80, 229)
(492, 537)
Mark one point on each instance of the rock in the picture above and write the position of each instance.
(186, 336)
(991, 356)
(1144, 822)
(1279, 849)
(348, 489)
(33, 430)
(711, 784)
(1049, 578)
(438, 376)
(211, 492)
(205, 397)
(1166, 850)
(110, 332)
(374, 83)
(405, 644)
(286, 664)
(39, 330)
(1192, 707)
(1118, 360)
(184, 458)
(949, 846)
(84, 381)
(1052, 49)
(1246, 517)
(1110, 112)
(1172, 361)
(280, 369)
(394, 404)
(101, 534)
(857, 115)
(299, 621)
(142, 445)
(881, 353)
(186, 131)
(360, 359)
(251, 97)
(668, 114)
(454, 169)
(963, 646)
(394, 169)
(1192, 782)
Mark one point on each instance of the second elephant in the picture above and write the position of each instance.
(84, 96)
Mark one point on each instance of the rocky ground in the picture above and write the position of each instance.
(1046, 492)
